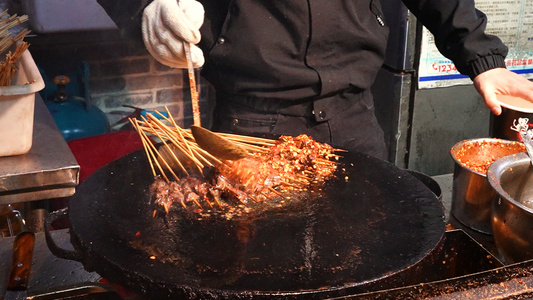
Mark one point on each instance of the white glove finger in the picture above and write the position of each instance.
(174, 19)
(173, 43)
(180, 62)
(156, 37)
(149, 17)
(197, 55)
(167, 61)
(157, 49)
(194, 11)
(166, 57)
(171, 52)
(176, 49)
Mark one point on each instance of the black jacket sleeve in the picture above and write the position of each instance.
(127, 15)
(458, 27)
(459, 31)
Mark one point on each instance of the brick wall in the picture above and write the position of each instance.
(122, 73)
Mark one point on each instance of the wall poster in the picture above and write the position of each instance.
(511, 20)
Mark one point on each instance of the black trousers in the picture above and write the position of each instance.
(352, 127)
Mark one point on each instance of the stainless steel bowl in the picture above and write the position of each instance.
(512, 213)
(472, 195)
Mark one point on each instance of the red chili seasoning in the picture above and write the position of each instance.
(479, 155)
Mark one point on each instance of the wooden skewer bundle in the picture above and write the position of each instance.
(178, 147)
(276, 168)
(8, 67)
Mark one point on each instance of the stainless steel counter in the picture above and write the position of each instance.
(48, 170)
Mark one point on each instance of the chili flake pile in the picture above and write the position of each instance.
(480, 154)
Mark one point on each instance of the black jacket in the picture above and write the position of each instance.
(303, 49)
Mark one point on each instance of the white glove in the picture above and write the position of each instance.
(166, 26)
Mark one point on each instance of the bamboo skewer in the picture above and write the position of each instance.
(162, 158)
(8, 67)
(248, 139)
(178, 140)
(192, 84)
(169, 138)
(145, 145)
(191, 150)
(8, 40)
(149, 147)
(275, 192)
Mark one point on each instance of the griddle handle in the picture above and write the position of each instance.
(52, 245)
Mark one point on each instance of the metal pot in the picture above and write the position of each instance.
(472, 195)
(512, 214)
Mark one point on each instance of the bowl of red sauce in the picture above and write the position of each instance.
(472, 194)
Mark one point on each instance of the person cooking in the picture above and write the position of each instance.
(306, 66)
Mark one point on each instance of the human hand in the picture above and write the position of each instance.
(501, 81)
(167, 25)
